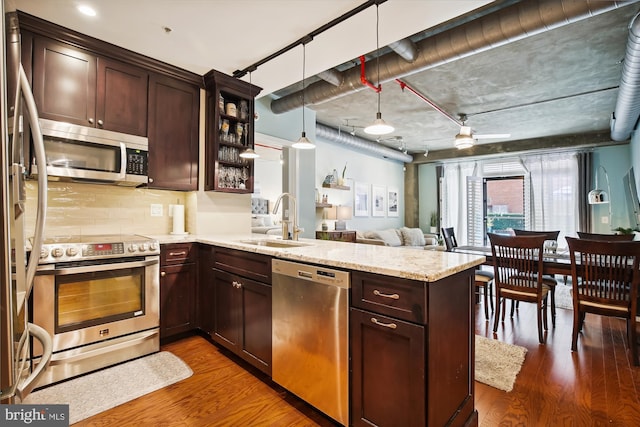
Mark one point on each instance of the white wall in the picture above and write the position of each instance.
(427, 195)
(361, 168)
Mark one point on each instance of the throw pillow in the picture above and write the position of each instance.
(390, 237)
(257, 222)
(412, 236)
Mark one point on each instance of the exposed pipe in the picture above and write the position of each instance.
(333, 135)
(435, 106)
(363, 77)
(627, 111)
(406, 49)
(515, 22)
(332, 76)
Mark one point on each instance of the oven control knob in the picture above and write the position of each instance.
(57, 252)
(133, 247)
(72, 251)
(144, 247)
(44, 252)
(153, 246)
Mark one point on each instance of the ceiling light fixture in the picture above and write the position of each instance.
(249, 153)
(379, 126)
(303, 143)
(464, 139)
(426, 152)
(87, 10)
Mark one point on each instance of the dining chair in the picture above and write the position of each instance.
(606, 237)
(483, 279)
(547, 279)
(606, 277)
(518, 265)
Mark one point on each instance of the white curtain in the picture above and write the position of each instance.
(554, 193)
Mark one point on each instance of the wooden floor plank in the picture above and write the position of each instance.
(597, 385)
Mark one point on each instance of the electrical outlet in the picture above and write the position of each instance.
(604, 219)
(156, 209)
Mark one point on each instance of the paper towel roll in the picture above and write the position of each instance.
(178, 219)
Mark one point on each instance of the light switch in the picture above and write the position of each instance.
(156, 209)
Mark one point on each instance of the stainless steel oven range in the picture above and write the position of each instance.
(98, 297)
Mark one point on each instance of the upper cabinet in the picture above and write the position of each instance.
(75, 86)
(229, 131)
(173, 134)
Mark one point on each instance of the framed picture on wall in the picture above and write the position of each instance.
(392, 201)
(361, 196)
(378, 196)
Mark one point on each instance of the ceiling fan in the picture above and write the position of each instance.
(466, 137)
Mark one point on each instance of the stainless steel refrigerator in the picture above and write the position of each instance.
(18, 126)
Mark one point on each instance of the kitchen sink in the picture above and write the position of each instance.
(275, 243)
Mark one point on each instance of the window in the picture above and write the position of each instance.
(546, 187)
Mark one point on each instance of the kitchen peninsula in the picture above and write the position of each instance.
(410, 321)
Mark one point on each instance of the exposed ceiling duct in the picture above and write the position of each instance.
(521, 20)
(627, 110)
(333, 135)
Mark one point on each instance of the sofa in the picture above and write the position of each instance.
(404, 237)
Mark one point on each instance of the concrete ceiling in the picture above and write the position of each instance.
(563, 81)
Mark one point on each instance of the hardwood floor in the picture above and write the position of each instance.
(594, 386)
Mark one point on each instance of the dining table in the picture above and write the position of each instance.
(554, 262)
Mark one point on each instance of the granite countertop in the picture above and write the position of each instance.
(423, 265)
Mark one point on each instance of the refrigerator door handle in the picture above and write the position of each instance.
(41, 160)
(26, 386)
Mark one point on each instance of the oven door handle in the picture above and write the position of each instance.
(104, 267)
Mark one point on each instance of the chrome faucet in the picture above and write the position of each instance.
(285, 224)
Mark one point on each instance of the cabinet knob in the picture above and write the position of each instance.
(100, 123)
(91, 120)
(162, 274)
(150, 179)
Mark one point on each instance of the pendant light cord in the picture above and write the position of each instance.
(304, 61)
(378, 53)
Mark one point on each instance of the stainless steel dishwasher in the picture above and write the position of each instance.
(311, 335)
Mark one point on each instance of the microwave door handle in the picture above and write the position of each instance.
(41, 161)
(123, 160)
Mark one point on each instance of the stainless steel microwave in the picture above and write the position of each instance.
(84, 154)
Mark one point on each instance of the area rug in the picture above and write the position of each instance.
(94, 393)
(564, 299)
(498, 363)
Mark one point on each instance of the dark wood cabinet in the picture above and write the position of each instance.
(412, 347)
(173, 134)
(237, 313)
(178, 282)
(77, 86)
(337, 235)
(229, 131)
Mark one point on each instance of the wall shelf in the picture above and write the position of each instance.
(336, 186)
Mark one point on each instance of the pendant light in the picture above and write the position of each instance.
(249, 153)
(303, 143)
(379, 126)
(597, 196)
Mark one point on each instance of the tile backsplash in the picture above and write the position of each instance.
(100, 209)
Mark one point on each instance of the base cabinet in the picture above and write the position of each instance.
(239, 285)
(178, 281)
(412, 351)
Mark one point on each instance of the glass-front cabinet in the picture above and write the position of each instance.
(229, 132)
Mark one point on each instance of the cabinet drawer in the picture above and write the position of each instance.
(178, 253)
(400, 298)
(246, 264)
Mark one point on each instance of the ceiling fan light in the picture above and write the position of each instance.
(379, 126)
(249, 154)
(303, 143)
(464, 139)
